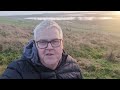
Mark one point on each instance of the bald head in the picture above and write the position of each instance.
(46, 26)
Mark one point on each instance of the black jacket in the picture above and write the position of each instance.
(30, 67)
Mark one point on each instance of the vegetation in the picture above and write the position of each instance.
(95, 44)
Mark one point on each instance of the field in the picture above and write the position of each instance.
(95, 44)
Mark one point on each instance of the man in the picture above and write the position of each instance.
(44, 57)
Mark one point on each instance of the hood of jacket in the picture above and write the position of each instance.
(30, 52)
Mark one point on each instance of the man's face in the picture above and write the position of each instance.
(50, 53)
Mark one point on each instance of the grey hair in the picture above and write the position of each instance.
(44, 25)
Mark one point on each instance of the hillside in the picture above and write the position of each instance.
(95, 44)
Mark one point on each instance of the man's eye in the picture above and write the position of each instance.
(55, 40)
(42, 42)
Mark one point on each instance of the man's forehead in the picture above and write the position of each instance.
(48, 30)
(49, 39)
(48, 34)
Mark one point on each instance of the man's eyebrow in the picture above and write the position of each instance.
(48, 40)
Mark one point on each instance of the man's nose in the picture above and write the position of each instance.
(49, 46)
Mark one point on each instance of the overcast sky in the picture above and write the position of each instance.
(7, 13)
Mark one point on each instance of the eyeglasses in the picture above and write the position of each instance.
(44, 44)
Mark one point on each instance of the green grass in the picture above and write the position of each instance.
(17, 22)
(9, 55)
(2, 68)
(95, 44)
(106, 70)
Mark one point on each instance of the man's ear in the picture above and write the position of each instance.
(62, 44)
(35, 44)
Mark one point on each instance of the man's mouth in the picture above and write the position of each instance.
(49, 54)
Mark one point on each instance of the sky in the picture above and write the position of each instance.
(7, 13)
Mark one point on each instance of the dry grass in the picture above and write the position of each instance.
(12, 36)
(2, 68)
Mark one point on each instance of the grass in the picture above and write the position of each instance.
(2, 68)
(95, 44)
(8, 55)
(17, 22)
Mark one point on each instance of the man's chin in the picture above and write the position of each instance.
(49, 57)
(50, 61)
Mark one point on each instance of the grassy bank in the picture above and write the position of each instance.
(95, 44)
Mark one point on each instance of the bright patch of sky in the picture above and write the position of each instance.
(10, 13)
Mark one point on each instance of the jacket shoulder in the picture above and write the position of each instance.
(71, 59)
(74, 66)
(13, 70)
(18, 64)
